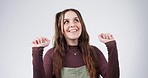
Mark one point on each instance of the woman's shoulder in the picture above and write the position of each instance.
(49, 52)
(94, 47)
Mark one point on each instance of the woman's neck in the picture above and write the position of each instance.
(73, 42)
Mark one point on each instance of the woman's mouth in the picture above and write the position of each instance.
(73, 30)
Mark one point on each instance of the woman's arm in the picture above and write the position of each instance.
(109, 69)
(38, 69)
(37, 55)
(113, 63)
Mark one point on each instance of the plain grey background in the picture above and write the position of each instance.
(21, 21)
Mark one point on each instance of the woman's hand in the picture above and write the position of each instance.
(106, 37)
(40, 42)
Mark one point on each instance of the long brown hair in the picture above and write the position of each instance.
(60, 45)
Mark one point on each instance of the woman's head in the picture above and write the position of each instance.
(70, 26)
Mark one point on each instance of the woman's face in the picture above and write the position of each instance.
(71, 27)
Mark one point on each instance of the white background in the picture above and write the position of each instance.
(23, 20)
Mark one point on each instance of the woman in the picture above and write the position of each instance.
(72, 56)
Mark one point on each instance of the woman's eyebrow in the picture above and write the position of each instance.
(75, 17)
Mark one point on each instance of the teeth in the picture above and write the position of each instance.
(72, 30)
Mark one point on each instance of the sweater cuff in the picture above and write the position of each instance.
(111, 44)
(36, 48)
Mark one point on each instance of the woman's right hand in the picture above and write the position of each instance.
(40, 42)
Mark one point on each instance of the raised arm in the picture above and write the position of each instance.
(109, 69)
(37, 54)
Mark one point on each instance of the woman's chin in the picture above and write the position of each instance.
(73, 38)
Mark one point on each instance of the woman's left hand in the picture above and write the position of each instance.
(106, 37)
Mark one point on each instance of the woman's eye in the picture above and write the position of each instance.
(76, 20)
(65, 22)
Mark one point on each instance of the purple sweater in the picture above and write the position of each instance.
(42, 68)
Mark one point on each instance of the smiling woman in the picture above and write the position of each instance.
(72, 56)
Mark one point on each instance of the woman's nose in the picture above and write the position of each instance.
(72, 24)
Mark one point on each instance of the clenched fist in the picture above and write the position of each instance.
(40, 42)
(106, 37)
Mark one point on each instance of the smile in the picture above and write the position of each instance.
(73, 30)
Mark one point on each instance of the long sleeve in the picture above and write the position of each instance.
(113, 63)
(109, 69)
(38, 69)
(42, 67)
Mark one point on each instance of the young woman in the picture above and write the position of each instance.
(72, 56)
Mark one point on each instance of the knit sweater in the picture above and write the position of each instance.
(42, 67)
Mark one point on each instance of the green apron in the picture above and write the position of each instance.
(80, 72)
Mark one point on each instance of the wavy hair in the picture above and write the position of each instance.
(60, 46)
